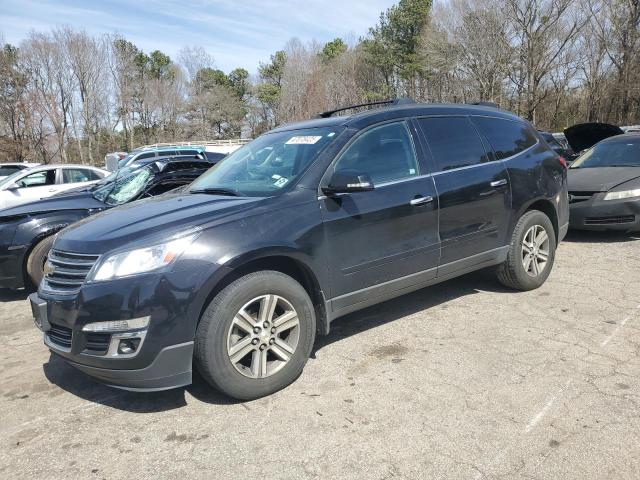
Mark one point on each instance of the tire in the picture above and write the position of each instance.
(37, 259)
(513, 272)
(236, 311)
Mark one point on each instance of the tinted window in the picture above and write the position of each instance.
(506, 137)
(38, 179)
(385, 153)
(145, 155)
(453, 141)
(5, 171)
(188, 152)
(173, 166)
(75, 175)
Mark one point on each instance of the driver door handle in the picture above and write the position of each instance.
(499, 183)
(421, 200)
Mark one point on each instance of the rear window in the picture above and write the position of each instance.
(5, 171)
(453, 141)
(506, 137)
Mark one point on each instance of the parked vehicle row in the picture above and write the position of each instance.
(237, 272)
(27, 231)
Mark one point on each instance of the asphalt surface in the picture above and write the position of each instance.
(462, 380)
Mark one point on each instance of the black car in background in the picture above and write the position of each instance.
(27, 231)
(556, 146)
(604, 185)
(236, 273)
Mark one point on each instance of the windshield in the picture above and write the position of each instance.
(125, 160)
(124, 188)
(11, 178)
(611, 154)
(269, 164)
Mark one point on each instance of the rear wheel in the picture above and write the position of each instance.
(37, 259)
(531, 253)
(256, 335)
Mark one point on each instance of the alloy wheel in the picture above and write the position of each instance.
(263, 336)
(535, 250)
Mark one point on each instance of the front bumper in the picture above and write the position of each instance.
(11, 262)
(163, 359)
(598, 214)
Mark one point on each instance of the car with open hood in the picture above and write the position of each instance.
(27, 231)
(604, 185)
(236, 274)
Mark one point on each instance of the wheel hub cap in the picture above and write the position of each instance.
(263, 336)
(535, 250)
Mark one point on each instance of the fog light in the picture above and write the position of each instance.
(117, 325)
(127, 347)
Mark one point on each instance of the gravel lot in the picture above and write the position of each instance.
(461, 380)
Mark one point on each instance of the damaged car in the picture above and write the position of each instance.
(604, 182)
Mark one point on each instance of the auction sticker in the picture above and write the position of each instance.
(303, 140)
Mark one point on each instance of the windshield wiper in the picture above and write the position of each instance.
(217, 191)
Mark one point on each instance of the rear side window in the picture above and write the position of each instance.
(187, 152)
(75, 175)
(145, 155)
(385, 153)
(454, 142)
(506, 137)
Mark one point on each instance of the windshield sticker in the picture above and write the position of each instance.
(303, 140)
(281, 182)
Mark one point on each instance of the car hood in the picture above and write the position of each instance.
(148, 220)
(77, 201)
(600, 179)
(586, 135)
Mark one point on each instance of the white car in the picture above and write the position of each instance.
(45, 181)
(7, 169)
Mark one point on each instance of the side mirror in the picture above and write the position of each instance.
(348, 181)
(13, 187)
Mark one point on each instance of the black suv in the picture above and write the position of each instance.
(239, 271)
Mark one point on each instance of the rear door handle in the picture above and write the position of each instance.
(499, 183)
(421, 200)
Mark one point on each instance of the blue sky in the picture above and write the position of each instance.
(238, 33)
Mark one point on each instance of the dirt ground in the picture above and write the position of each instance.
(462, 380)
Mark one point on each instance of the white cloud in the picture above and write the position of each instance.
(236, 33)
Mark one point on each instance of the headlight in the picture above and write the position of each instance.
(140, 260)
(622, 194)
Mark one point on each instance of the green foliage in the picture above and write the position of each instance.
(272, 72)
(332, 49)
(393, 44)
(239, 82)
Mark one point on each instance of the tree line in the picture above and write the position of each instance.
(67, 96)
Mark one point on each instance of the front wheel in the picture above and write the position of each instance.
(256, 335)
(531, 253)
(37, 259)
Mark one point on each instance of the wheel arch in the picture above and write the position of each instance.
(284, 260)
(547, 207)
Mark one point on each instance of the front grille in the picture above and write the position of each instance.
(97, 343)
(609, 220)
(575, 197)
(60, 336)
(67, 271)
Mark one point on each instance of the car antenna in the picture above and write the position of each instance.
(392, 102)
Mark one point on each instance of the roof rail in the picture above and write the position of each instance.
(483, 103)
(395, 101)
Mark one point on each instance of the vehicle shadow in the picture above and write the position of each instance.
(424, 299)
(612, 236)
(58, 372)
(8, 295)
